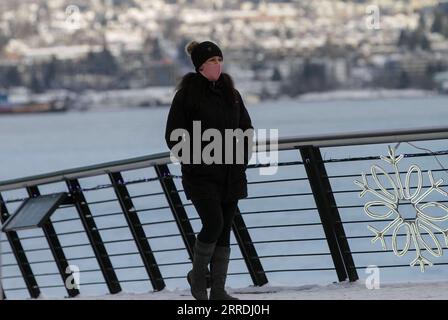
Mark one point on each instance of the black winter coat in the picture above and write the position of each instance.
(209, 102)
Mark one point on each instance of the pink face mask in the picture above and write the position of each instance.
(211, 70)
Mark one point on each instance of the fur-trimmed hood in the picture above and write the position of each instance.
(196, 85)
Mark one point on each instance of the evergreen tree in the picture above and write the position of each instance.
(437, 26)
(13, 78)
(276, 76)
(422, 23)
(49, 73)
(182, 57)
(156, 52)
(35, 83)
(404, 80)
(425, 43)
(403, 39)
(413, 40)
(101, 63)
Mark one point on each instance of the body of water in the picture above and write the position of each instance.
(39, 143)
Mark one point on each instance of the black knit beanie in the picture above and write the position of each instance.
(203, 51)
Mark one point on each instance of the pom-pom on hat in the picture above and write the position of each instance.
(201, 52)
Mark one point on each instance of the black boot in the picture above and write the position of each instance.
(197, 276)
(218, 270)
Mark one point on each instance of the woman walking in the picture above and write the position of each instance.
(208, 95)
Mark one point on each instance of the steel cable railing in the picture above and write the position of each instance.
(247, 242)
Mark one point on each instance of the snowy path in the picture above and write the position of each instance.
(340, 291)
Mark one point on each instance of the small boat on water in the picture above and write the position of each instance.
(31, 107)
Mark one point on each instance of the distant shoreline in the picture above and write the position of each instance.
(353, 95)
(327, 96)
(368, 94)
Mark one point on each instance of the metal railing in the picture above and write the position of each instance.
(151, 229)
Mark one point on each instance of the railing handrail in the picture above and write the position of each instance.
(365, 137)
(286, 143)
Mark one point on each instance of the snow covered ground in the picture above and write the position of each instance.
(429, 290)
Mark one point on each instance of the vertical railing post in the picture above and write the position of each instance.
(248, 250)
(19, 254)
(329, 213)
(2, 291)
(94, 236)
(177, 208)
(55, 247)
(137, 231)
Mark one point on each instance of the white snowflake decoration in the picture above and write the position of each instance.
(391, 201)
